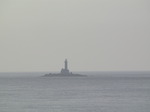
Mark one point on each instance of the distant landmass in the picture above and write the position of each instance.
(64, 72)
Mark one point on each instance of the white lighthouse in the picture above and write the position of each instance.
(65, 69)
(64, 72)
(66, 64)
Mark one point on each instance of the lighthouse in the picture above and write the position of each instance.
(64, 72)
(66, 64)
(65, 69)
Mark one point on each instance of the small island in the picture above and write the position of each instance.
(64, 72)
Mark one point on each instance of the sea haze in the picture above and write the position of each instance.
(99, 92)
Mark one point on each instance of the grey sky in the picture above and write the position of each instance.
(101, 35)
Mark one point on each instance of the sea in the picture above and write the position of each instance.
(98, 92)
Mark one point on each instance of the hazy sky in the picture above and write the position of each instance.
(101, 35)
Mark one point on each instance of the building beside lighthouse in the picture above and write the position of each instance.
(65, 70)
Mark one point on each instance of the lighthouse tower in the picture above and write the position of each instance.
(65, 69)
(66, 64)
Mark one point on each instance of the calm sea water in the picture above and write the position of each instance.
(99, 92)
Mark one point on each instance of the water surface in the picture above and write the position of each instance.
(95, 93)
